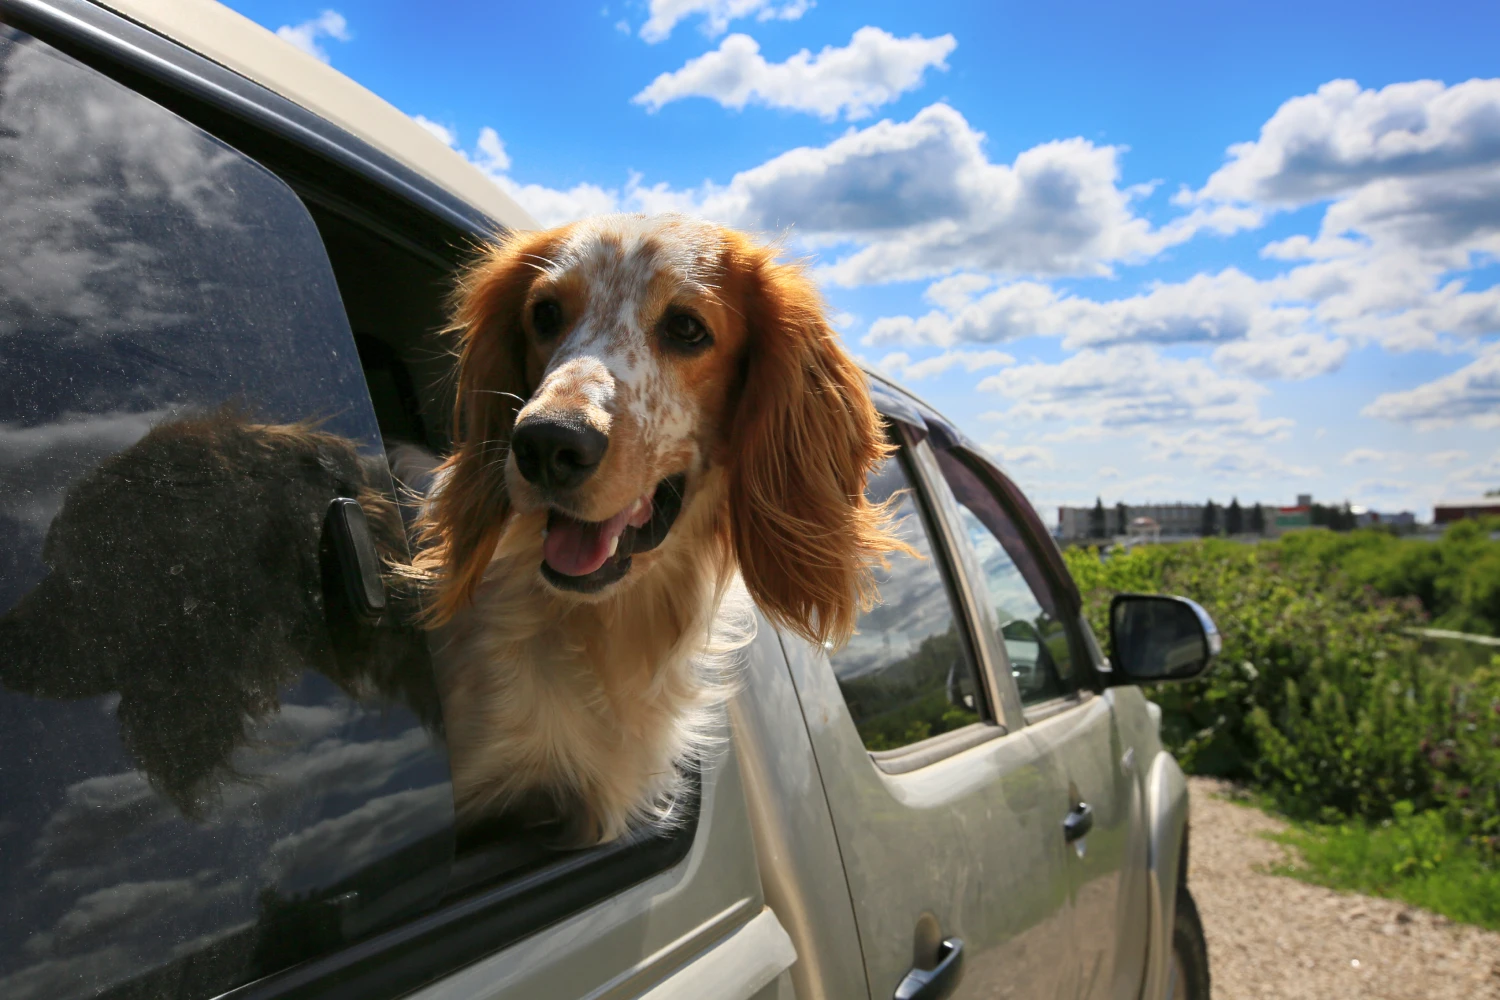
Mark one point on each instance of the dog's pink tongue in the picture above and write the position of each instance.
(577, 548)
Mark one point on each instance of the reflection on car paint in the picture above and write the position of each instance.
(208, 771)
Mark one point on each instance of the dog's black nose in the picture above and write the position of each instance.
(557, 454)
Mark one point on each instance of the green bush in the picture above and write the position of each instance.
(1322, 698)
(1456, 578)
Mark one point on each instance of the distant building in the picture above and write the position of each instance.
(1171, 519)
(1448, 511)
(1143, 530)
(1297, 516)
(1366, 518)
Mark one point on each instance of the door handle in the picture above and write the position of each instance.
(937, 982)
(1078, 823)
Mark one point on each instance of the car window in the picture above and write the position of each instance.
(214, 762)
(907, 674)
(1035, 635)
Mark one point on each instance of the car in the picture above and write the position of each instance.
(222, 773)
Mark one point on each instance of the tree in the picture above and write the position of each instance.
(1096, 519)
(1210, 525)
(1258, 520)
(1234, 518)
(1123, 513)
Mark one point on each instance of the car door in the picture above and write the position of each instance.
(944, 814)
(1052, 667)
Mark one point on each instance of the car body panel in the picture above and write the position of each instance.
(634, 940)
(796, 849)
(962, 839)
(1083, 740)
(235, 41)
(1167, 815)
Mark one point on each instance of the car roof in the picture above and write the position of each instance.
(239, 44)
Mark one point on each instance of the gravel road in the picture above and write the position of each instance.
(1272, 937)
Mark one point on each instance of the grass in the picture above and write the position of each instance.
(1413, 857)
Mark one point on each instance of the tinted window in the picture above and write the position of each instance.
(907, 674)
(209, 767)
(1035, 638)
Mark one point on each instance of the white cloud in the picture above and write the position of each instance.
(335, 848)
(1365, 456)
(1224, 453)
(916, 198)
(1293, 357)
(874, 69)
(1293, 326)
(717, 14)
(899, 364)
(549, 206)
(445, 134)
(1341, 138)
(1022, 455)
(99, 915)
(1225, 308)
(1449, 457)
(1382, 486)
(921, 198)
(1470, 396)
(1475, 479)
(307, 35)
(1128, 388)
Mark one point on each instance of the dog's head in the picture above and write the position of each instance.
(617, 375)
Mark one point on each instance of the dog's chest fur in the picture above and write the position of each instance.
(592, 705)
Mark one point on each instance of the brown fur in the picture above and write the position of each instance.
(591, 702)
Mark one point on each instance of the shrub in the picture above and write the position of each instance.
(1322, 698)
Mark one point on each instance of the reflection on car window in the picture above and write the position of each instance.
(1035, 640)
(209, 768)
(906, 674)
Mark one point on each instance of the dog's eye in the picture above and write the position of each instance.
(684, 329)
(546, 319)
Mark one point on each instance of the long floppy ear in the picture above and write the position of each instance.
(805, 439)
(463, 520)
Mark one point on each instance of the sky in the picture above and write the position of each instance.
(1148, 253)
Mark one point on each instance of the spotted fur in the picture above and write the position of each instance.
(593, 701)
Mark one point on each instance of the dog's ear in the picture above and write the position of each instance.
(805, 438)
(464, 517)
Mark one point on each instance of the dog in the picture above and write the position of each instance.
(648, 410)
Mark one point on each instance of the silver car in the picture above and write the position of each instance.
(222, 768)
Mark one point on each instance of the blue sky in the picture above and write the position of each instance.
(1150, 253)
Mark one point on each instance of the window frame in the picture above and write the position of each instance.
(342, 174)
(1064, 595)
(915, 455)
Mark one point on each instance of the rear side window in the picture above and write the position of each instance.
(210, 767)
(907, 673)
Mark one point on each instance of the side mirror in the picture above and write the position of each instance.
(1153, 637)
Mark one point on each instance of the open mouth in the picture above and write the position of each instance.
(587, 556)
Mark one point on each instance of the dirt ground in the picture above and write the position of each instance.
(1272, 937)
